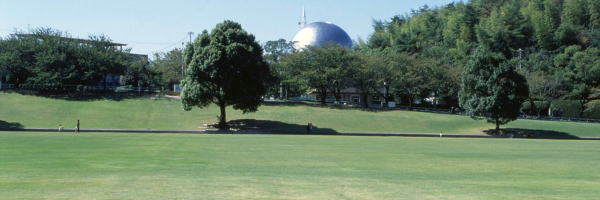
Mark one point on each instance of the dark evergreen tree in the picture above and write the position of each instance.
(491, 89)
(225, 67)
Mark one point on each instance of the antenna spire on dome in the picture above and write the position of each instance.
(302, 22)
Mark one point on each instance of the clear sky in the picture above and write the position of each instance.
(149, 26)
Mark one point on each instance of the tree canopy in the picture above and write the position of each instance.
(225, 67)
(325, 69)
(52, 60)
(170, 66)
(491, 88)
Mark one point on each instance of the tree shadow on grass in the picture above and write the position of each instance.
(10, 125)
(530, 133)
(253, 126)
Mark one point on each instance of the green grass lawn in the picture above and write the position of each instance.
(143, 113)
(181, 166)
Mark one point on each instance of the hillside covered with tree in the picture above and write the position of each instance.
(554, 44)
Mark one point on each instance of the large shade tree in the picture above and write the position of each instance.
(491, 89)
(225, 67)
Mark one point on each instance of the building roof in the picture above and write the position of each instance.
(83, 41)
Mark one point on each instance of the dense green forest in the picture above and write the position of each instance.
(554, 43)
(46, 59)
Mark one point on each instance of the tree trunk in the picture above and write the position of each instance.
(410, 102)
(497, 126)
(365, 100)
(338, 95)
(539, 111)
(435, 100)
(104, 80)
(223, 118)
(386, 95)
(532, 107)
(323, 96)
(581, 108)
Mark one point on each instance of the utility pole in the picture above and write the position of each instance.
(190, 33)
(182, 62)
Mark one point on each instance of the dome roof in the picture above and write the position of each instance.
(321, 33)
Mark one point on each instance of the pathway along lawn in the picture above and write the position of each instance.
(146, 113)
(167, 166)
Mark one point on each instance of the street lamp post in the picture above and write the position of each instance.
(520, 52)
(385, 94)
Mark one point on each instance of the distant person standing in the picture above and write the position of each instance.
(309, 128)
(77, 127)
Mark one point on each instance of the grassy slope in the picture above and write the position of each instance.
(166, 166)
(167, 114)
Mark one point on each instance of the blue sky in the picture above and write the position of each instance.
(160, 25)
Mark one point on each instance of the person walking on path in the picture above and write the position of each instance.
(77, 127)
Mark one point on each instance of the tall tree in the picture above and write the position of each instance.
(575, 12)
(325, 69)
(594, 11)
(388, 72)
(491, 89)
(274, 52)
(365, 75)
(276, 49)
(542, 24)
(414, 81)
(170, 66)
(225, 67)
(584, 76)
(505, 30)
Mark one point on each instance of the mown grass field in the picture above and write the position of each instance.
(146, 113)
(182, 166)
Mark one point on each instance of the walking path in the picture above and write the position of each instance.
(214, 131)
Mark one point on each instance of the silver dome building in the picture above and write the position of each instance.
(319, 34)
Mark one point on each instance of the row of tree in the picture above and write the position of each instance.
(374, 72)
(52, 60)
